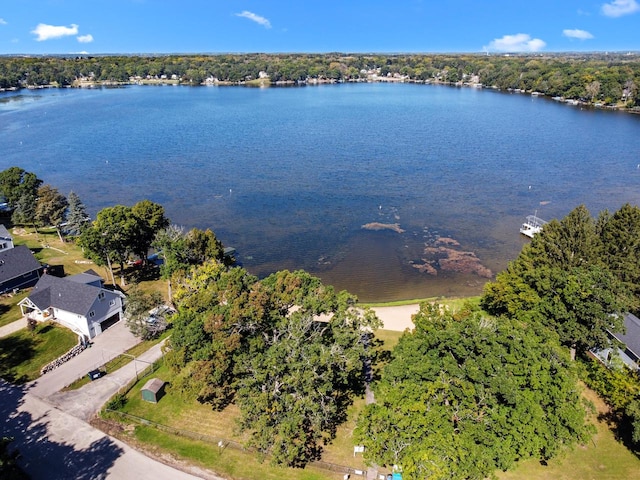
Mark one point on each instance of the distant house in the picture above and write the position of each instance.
(630, 352)
(6, 240)
(18, 269)
(79, 302)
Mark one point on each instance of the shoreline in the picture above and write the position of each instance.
(396, 316)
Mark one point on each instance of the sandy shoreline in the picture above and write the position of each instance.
(396, 318)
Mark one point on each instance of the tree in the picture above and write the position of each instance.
(51, 208)
(467, 394)
(16, 182)
(561, 280)
(150, 219)
(288, 349)
(138, 317)
(77, 218)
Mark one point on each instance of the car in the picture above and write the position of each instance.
(96, 374)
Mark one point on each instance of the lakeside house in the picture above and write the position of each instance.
(18, 269)
(629, 352)
(79, 302)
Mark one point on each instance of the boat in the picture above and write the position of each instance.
(532, 225)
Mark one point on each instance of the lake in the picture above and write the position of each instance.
(389, 191)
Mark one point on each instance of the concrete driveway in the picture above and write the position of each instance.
(109, 344)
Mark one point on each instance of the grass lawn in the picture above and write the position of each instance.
(602, 458)
(24, 353)
(172, 410)
(9, 309)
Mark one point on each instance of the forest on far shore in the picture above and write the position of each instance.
(608, 80)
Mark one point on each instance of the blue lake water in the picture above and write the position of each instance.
(289, 176)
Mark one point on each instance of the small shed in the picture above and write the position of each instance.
(153, 390)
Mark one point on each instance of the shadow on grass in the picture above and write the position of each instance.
(622, 429)
(39, 455)
(14, 351)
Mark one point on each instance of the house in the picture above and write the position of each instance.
(18, 269)
(79, 302)
(629, 353)
(6, 240)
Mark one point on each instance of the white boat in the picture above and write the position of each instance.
(532, 225)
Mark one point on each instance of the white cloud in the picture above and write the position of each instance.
(520, 42)
(3, 21)
(255, 18)
(85, 38)
(49, 32)
(618, 8)
(578, 34)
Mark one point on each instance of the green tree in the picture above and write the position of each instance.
(466, 394)
(51, 208)
(150, 219)
(15, 183)
(77, 218)
(137, 314)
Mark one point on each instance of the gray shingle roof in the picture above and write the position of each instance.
(16, 262)
(65, 294)
(4, 233)
(632, 337)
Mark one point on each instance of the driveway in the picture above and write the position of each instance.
(109, 344)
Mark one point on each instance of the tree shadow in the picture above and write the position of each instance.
(622, 429)
(4, 308)
(40, 454)
(14, 351)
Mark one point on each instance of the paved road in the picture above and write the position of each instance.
(57, 446)
(50, 429)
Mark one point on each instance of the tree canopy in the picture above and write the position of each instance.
(467, 394)
(288, 350)
(563, 279)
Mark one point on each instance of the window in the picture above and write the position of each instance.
(100, 295)
(112, 302)
(92, 314)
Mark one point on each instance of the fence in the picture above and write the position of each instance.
(223, 443)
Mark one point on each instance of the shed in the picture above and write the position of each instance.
(153, 390)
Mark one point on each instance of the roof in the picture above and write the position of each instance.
(632, 337)
(4, 233)
(65, 294)
(154, 385)
(16, 262)
(89, 277)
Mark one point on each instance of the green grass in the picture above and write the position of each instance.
(602, 458)
(9, 309)
(24, 353)
(454, 303)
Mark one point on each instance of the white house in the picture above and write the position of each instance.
(79, 302)
(6, 240)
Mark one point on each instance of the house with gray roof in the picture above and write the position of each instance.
(6, 240)
(629, 352)
(18, 269)
(79, 302)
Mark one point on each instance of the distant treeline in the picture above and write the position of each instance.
(608, 79)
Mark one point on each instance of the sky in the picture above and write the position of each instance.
(349, 26)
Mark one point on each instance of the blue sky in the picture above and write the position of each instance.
(398, 26)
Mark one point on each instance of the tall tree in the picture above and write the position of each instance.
(77, 218)
(288, 349)
(150, 218)
(16, 182)
(51, 208)
(466, 394)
